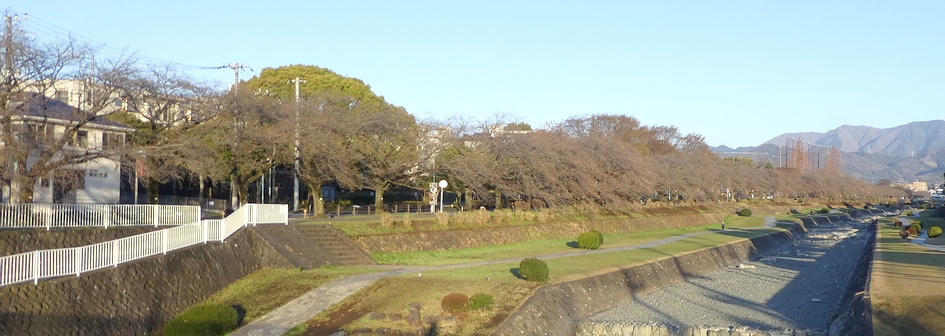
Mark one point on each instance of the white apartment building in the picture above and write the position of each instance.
(41, 120)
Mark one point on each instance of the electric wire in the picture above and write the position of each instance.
(49, 29)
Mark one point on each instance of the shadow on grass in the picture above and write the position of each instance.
(931, 258)
(516, 273)
(240, 313)
(573, 244)
(903, 322)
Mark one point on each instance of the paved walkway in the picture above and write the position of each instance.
(305, 307)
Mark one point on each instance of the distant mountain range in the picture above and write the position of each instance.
(906, 153)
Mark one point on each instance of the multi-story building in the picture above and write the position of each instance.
(39, 124)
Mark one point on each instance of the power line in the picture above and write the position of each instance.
(52, 30)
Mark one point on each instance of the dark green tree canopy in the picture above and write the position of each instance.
(276, 82)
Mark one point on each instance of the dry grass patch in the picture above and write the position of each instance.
(394, 295)
(904, 287)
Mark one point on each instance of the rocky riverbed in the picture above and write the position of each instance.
(795, 290)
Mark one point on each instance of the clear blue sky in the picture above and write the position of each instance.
(737, 72)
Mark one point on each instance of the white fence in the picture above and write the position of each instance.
(36, 215)
(43, 264)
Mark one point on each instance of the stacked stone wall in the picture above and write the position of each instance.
(458, 238)
(135, 298)
(14, 241)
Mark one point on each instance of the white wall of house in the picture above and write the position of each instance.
(100, 182)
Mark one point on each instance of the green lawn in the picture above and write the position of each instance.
(534, 248)
(903, 286)
(568, 268)
(267, 289)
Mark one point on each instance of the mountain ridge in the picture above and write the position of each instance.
(914, 151)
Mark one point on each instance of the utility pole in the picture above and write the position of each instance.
(9, 78)
(234, 195)
(8, 52)
(298, 157)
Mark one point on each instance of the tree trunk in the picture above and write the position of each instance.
(24, 189)
(317, 204)
(379, 196)
(202, 187)
(152, 191)
(235, 197)
(467, 199)
(241, 194)
(498, 199)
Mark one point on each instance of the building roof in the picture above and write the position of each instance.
(35, 106)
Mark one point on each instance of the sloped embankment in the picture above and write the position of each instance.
(560, 307)
(796, 290)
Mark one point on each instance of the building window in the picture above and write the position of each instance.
(62, 96)
(118, 102)
(81, 139)
(112, 140)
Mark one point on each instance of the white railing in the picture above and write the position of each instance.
(44, 264)
(38, 215)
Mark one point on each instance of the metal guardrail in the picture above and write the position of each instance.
(44, 264)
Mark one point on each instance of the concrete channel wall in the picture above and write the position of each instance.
(559, 309)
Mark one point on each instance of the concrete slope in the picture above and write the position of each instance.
(297, 247)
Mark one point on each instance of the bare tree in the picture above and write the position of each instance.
(385, 144)
(44, 137)
(164, 105)
(248, 137)
(324, 154)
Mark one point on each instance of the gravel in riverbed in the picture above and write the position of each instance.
(797, 287)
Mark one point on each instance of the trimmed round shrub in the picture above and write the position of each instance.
(590, 240)
(824, 210)
(455, 303)
(600, 236)
(745, 212)
(917, 225)
(480, 301)
(898, 223)
(209, 319)
(913, 230)
(935, 231)
(532, 269)
(904, 234)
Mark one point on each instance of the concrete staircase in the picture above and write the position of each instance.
(341, 250)
(312, 246)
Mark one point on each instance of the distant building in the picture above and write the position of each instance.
(917, 186)
(42, 121)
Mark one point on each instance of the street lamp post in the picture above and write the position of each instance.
(296, 169)
(442, 185)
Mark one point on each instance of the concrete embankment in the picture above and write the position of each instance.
(793, 291)
(560, 308)
(557, 309)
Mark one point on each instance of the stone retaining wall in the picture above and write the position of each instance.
(132, 299)
(557, 309)
(456, 239)
(14, 241)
